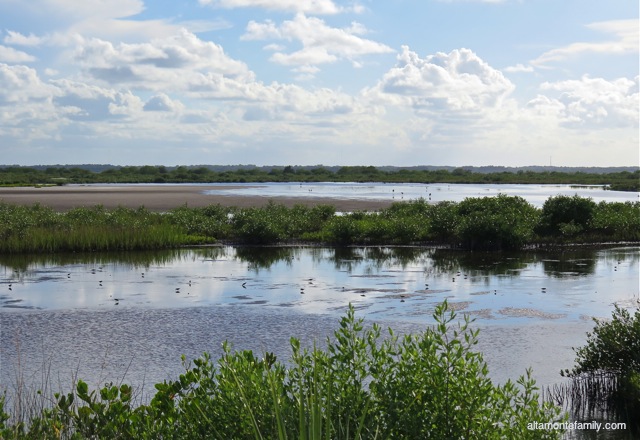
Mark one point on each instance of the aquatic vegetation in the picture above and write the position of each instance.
(606, 377)
(40, 229)
(363, 385)
(495, 223)
(486, 223)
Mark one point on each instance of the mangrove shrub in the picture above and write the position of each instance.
(431, 385)
(607, 370)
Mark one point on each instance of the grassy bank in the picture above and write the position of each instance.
(492, 223)
(366, 384)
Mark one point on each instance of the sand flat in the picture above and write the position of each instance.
(162, 197)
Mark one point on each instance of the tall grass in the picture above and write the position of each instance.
(362, 386)
(40, 229)
(494, 223)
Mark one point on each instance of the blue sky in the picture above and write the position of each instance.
(306, 82)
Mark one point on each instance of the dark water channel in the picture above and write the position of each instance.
(129, 317)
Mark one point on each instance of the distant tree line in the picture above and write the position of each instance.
(17, 175)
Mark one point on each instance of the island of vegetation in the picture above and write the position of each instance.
(483, 223)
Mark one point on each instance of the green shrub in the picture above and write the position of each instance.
(501, 222)
(566, 215)
(362, 386)
(343, 230)
(617, 220)
(612, 352)
(443, 221)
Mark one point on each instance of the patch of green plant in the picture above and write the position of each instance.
(490, 223)
(363, 385)
(607, 371)
(16, 175)
(501, 222)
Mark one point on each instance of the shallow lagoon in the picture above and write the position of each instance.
(112, 317)
(434, 192)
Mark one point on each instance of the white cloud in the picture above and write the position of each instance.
(21, 84)
(174, 63)
(91, 8)
(93, 103)
(519, 68)
(305, 6)
(58, 19)
(10, 55)
(16, 38)
(162, 103)
(26, 109)
(457, 81)
(591, 102)
(320, 43)
(625, 41)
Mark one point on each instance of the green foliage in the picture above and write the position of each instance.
(362, 386)
(613, 351)
(566, 215)
(617, 220)
(40, 229)
(500, 222)
(491, 223)
(9, 176)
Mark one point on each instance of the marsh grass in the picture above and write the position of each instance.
(363, 385)
(492, 223)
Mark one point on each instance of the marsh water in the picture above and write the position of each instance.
(131, 316)
(433, 192)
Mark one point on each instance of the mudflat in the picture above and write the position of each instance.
(163, 197)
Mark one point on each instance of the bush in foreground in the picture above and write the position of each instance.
(362, 386)
(607, 373)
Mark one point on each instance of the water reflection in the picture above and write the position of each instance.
(396, 283)
(106, 316)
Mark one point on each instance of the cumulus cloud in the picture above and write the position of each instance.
(625, 41)
(85, 102)
(174, 63)
(11, 55)
(306, 6)
(21, 84)
(26, 109)
(591, 102)
(320, 43)
(457, 81)
(18, 39)
(162, 103)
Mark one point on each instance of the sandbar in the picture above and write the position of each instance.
(161, 198)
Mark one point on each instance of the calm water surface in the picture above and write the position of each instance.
(435, 192)
(108, 317)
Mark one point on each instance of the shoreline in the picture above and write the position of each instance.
(162, 198)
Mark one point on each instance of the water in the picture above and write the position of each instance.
(106, 317)
(435, 192)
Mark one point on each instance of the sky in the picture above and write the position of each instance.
(320, 82)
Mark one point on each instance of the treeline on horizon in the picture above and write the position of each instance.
(621, 180)
(490, 223)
